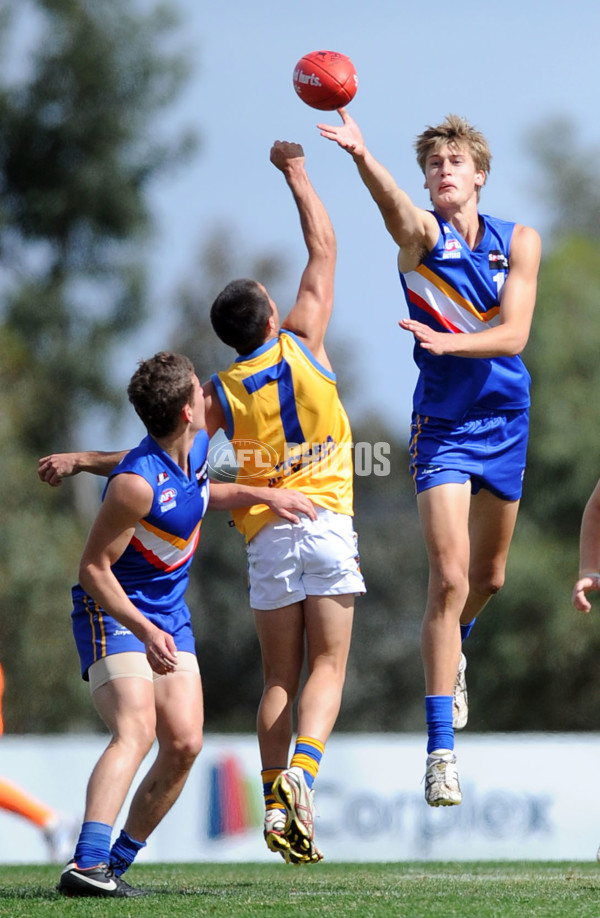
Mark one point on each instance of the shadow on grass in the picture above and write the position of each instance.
(49, 893)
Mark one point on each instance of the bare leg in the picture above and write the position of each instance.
(444, 512)
(127, 707)
(180, 717)
(281, 636)
(328, 624)
(491, 527)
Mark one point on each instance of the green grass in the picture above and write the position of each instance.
(411, 890)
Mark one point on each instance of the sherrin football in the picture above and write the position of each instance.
(325, 80)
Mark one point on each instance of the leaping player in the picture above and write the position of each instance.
(470, 283)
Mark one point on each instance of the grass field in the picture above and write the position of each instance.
(411, 890)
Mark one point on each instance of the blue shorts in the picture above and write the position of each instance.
(490, 450)
(98, 635)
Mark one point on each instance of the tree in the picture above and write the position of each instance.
(567, 169)
(531, 646)
(76, 157)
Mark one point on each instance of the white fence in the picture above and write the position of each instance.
(526, 796)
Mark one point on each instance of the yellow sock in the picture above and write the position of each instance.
(307, 755)
(268, 775)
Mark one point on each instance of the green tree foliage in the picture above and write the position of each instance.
(534, 659)
(567, 178)
(77, 153)
(563, 361)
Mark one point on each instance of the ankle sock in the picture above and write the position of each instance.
(123, 852)
(268, 776)
(308, 753)
(93, 846)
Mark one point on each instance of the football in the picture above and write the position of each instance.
(325, 80)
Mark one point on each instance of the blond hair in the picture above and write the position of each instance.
(454, 131)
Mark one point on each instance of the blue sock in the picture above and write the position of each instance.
(438, 713)
(465, 630)
(93, 846)
(123, 852)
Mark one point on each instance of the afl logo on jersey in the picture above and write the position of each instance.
(167, 499)
(452, 248)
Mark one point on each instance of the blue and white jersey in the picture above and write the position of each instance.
(457, 290)
(154, 568)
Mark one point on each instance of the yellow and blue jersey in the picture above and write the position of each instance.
(457, 290)
(154, 568)
(287, 425)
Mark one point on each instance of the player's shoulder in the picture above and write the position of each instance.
(500, 224)
(527, 232)
(526, 241)
(130, 490)
(296, 347)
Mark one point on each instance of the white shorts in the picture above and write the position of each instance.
(289, 561)
(130, 663)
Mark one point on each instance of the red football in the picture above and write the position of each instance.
(325, 79)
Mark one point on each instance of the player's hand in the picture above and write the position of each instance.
(585, 584)
(52, 469)
(161, 651)
(284, 154)
(434, 342)
(347, 134)
(288, 503)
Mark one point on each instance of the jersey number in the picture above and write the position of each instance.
(499, 279)
(281, 373)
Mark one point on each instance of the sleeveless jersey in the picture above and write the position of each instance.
(154, 568)
(457, 290)
(287, 426)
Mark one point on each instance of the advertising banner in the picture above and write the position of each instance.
(525, 796)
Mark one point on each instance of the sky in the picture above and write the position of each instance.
(507, 68)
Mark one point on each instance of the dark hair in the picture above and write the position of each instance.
(159, 389)
(239, 315)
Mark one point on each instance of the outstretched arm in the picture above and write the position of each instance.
(311, 312)
(54, 468)
(589, 553)
(414, 230)
(284, 502)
